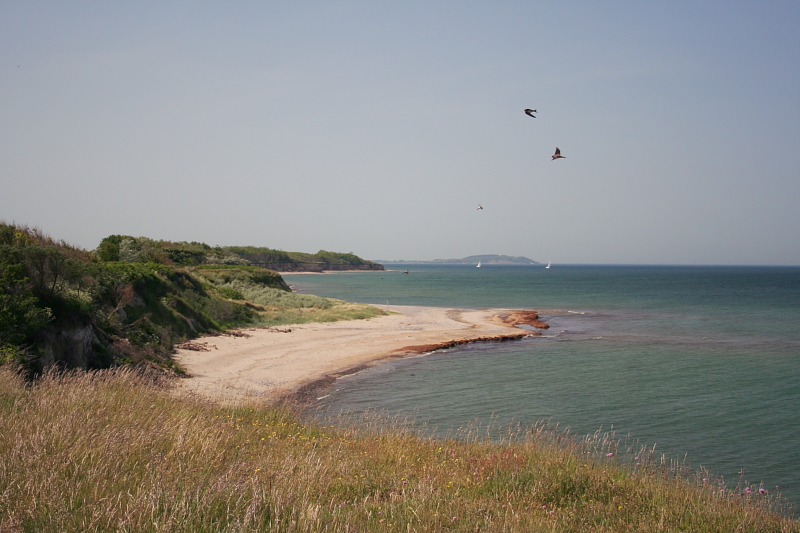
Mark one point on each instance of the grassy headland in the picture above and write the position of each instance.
(139, 249)
(116, 450)
(131, 300)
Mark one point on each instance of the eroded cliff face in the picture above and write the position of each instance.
(72, 343)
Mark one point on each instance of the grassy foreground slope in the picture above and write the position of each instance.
(116, 450)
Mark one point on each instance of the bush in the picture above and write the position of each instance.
(108, 249)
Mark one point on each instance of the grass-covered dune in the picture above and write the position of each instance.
(255, 287)
(116, 450)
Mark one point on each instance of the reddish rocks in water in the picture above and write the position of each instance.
(529, 318)
(422, 348)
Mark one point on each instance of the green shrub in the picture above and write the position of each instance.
(108, 249)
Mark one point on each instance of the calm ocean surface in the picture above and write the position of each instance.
(700, 361)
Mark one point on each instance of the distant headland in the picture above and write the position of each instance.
(490, 259)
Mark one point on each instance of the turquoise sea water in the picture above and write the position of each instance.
(700, 361)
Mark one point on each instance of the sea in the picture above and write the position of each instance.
(702, 362)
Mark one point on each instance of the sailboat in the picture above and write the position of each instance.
(548, 264)
(479, 265)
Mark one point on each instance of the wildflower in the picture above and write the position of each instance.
(762, 490)
(609, 454)
(747, 490)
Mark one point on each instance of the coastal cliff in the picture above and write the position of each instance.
(133, 298)
(318, 267)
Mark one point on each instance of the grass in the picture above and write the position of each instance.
(276, 306)
(117, 450)
(338, 310)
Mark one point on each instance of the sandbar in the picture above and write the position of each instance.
(292, 362)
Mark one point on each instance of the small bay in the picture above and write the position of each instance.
(701, 361)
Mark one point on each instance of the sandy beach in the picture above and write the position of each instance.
(296, 361)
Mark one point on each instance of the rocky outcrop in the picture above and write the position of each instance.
(528, 318)
(422, 348)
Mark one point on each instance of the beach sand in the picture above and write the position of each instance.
(294, 362)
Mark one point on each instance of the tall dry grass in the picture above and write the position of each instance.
(119, 451)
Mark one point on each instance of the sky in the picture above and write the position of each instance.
(378, 128)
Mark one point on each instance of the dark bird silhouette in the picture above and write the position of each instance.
(557, 155)
(530, 112)
(479, 207)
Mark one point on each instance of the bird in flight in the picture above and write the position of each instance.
(479, 207)
(530, 112)
(557, 155)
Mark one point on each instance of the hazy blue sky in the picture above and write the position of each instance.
(378, 127)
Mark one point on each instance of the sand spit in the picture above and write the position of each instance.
(270, 364)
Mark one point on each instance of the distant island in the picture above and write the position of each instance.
(490, 259)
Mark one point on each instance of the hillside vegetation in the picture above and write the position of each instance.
(143, 249)
(116, 450)
(132, 300)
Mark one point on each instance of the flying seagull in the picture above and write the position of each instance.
(530, 112)
(479, 207)
(557, 155)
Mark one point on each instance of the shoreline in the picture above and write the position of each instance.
(323, 272)
(291, 363)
